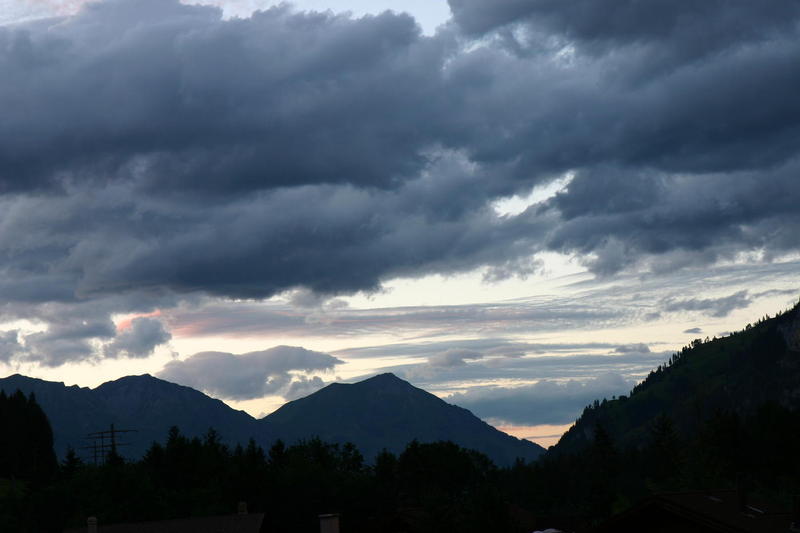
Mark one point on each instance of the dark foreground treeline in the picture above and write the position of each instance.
(758, 454)
(428, 487)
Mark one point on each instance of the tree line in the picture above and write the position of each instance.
(428, 487)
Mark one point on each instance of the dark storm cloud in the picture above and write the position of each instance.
(251, 375)
(348, 118)
(175, 98)
(684, 29)
(667, 148)
(677, 220)
(150, 149)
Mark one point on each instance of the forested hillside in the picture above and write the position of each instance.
(720, 414)
(27, 462)
(738, 375)
(26, 441)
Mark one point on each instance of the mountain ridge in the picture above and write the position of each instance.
(151, 406)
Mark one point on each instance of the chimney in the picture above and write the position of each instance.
(329, 523)
(92, 524)
(242, 508)
(741, 492)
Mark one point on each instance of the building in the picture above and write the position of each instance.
(703, 512)
(242, 522)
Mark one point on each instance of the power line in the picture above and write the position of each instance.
(105, 443)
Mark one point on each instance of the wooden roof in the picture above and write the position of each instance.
(717, 512)
(237, 523)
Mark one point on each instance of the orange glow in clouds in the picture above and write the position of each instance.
(126, 321)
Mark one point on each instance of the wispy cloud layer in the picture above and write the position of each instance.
(581, 305)
(718, 307)
(545, 402)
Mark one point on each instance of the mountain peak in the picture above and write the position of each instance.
(387, 412)
(140, 377)
(383, 380)
(384, 376)
(143, 380)
(27, 379)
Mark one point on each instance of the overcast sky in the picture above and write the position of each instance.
(520, 205)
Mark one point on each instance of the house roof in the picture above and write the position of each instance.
(717, 511)
(237, 523)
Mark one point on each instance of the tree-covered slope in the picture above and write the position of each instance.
(736, 374)
(73, 411)
(26, 445)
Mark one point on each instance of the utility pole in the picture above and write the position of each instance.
(105, 443)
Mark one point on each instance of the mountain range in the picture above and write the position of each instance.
(737, 373)
(381, 412)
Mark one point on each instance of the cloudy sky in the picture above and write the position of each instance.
(519, 205)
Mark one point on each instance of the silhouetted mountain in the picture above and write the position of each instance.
(738, 374)
(381, 412)
(152, 406)
(387, 412)
(144, 403)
